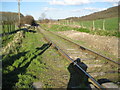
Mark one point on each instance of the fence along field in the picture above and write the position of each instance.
(7, 28)
(108, 24)
(8, 22)
(105, 20)
(103, 27)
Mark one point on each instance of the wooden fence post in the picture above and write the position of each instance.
(93, 25)
(119, 26)
(3, 28)
(70, 21)
(7, 30)
(74, 22)
(67, 22)
(103, 24)
(81, 25)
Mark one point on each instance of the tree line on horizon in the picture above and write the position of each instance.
(12, 18)
(9, 21)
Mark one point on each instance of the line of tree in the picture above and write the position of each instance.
(9, 21)
(9, 18)
(12, 18)
(28, 19)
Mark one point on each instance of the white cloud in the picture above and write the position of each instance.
(115, 4)
(104, 0)
(25, 0)
(69, 2)
(78, 2)
(49, 9)
(90, 9)
(62, 2)
(111, 0)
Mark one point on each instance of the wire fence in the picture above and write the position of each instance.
(101, 24)
(7, 28)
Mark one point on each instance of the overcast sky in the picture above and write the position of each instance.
(57, 9)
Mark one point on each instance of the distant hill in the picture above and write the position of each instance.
(9, 16)
(109, 13)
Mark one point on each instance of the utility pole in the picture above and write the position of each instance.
(19, 11)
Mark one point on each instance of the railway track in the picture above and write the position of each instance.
(99, 66)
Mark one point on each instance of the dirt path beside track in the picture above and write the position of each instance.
(103, 43)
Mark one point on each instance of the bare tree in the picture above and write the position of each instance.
(42, 17)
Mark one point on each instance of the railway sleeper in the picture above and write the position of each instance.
(106, 83)
(82, 68)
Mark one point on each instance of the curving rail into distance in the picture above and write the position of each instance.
(98, 55)
(94, 82)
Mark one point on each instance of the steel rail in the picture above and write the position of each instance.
(92, 80)
(89, 51)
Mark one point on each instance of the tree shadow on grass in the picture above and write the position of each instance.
(9, 60)
(26, 30)
(78, 80)
(13, 32)
(11, 78)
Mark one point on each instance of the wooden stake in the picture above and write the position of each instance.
(93, 25)
(103, 24)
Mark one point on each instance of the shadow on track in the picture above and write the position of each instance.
(78, 80)
(13, 32)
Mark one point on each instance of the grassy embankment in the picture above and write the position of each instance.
(34, 61)
(96, 32)
(111, 26)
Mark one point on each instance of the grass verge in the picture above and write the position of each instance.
(95, 32)
(35, 61)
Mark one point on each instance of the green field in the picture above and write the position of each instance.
(56, 27)
(110, 24)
